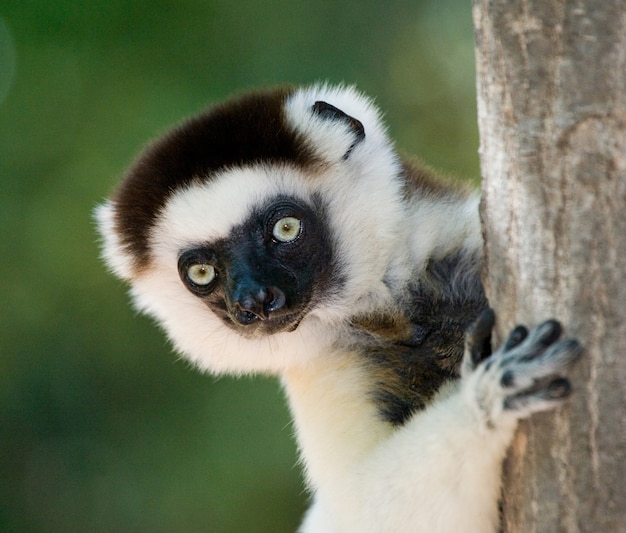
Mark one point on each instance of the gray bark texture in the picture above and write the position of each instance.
(551, 78)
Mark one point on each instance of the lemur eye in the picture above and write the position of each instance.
(197, 270)
(201, 274)
(287, 229)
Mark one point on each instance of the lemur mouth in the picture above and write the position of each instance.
(255, 327)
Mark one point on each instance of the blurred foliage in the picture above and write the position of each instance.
(102, 427)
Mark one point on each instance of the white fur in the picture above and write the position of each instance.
(440, 472)
(444, 225)
(113, 252)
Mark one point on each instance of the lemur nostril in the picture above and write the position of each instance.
(274, 300)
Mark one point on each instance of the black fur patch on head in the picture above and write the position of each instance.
(241, 131)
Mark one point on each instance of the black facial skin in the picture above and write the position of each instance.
(264, 286)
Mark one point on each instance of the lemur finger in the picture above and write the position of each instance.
(536, 342)
(553, 360)
(540, 398)
(478, 337)
(546, 333)
(561, 354)
(515, 337)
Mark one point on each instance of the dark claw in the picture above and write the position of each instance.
(549, 332)
(559, 388)
(546, 334)
(485, 321)
(566, 351)
(515, 337)
(479, 336)
(508, 379)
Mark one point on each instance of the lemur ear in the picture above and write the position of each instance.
(330, 112)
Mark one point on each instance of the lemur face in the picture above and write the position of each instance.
(268, 272)
(245, 227)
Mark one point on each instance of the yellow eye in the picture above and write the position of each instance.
(287, 229)
(201, 274)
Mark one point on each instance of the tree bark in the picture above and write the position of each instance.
(551, 77)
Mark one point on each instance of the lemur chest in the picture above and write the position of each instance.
(411, 353)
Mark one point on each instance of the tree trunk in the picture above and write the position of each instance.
(552, 117)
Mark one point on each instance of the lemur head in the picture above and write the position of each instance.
(253, 228)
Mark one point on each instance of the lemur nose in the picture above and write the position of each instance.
(258, 304)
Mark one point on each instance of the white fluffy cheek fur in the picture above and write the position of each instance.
(113, 253)
(200, 336)
(369, 226)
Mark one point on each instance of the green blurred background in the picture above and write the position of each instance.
(102, 427)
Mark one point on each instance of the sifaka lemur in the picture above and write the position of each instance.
(280, 232)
